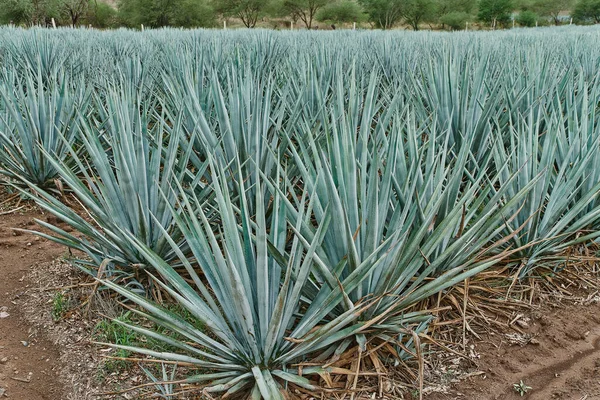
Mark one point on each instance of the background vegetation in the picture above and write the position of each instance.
(310, 14)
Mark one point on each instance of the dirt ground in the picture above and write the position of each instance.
(29, 361)
(556, 354)
(553, 348)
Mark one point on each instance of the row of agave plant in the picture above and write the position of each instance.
(296, 208)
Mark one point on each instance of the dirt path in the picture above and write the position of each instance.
(29, 363)
(567, 372)
(560, 361)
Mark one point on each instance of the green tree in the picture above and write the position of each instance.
(552, 8)
(64, 12)
(527, 18)
(151, 13)
(74, 10)
(44, 11)
(192, 14)
(101, 15)
(16, 11)
(495, 11)
(128, 13)
(587, 10)
(345, 11)
(455, 12)
(451, 6)
(159, 13)
(383, 14)
(249, 11)
(303, 10)
(456, 20)
(415, 12)
(34, 12)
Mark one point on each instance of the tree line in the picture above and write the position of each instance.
(381, 14)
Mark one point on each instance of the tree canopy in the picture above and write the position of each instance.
(304, 10)
(159, 13)
(380, 14)
(383, 14)
(416, 12)
(587, 11)
(248, 11)
(345, 11)
(495, 11)
(552, 8)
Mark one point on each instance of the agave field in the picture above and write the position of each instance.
(296, 196)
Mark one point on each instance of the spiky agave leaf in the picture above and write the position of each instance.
(555, 210)
(132, 159)
(580, 137)
(38, 116)
(240, 119)
(250, 295)
(407, 207)
(464, 99)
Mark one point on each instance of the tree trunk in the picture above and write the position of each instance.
(74, 17)
(305, 19)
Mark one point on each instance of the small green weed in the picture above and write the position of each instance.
(521, 388)
(59, 306)
(158, 345)
(111, 332)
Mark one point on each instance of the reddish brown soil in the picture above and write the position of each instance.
(561, 360)
(29, 362)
